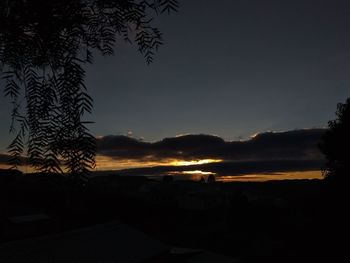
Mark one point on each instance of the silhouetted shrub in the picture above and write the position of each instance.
(336, 145)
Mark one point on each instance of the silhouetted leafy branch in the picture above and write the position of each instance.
(44, 46)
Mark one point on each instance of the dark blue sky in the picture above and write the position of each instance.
(230, 68)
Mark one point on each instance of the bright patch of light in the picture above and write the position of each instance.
(197, 172)
(194, 162)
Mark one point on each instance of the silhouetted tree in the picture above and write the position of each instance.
(168, 178)
(44, 45)
(211, 178)
(336, 145)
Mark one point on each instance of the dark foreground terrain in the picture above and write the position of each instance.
(276, 221)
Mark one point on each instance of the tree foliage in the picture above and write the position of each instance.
(43, 48)
(336, 145)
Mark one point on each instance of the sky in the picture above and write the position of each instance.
(228, 68)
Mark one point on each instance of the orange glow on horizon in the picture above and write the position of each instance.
(104, 163)
(299, 175)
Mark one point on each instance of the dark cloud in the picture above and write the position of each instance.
(290, 145)
(123, 147)
(268, 152)
(5, 159)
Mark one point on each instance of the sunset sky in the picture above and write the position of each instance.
(228, 68)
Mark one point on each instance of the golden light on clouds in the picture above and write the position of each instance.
(198, 172)
(194, 162)
(108, 163)
(194, 172)
(104, 163)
